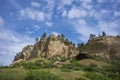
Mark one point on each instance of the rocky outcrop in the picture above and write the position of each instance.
(105, 48)
(48, 47)
(39, 47)
(24, 55)
(102, 48)
(58, 46)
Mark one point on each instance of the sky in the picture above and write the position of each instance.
(21, 21)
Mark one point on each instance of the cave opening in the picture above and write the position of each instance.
(81, 56)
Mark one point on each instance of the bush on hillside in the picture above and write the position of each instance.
(89, 69)
(40, 75)
(95, 76)
(80, 78)
(74, 65)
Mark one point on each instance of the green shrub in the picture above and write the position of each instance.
(80, 78)
(65, 70)
(48, 65)
(63, 59)
(95, 76)
(93, 65)
(74, 65)
(68, 66)
(40, 75)
(30, 65)
(88, 68)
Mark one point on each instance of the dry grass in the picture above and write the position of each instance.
(12, 74)
(20, 73)
(72, 75)
(91, 61)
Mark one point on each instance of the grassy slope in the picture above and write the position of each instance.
(65, 74)
(12, 74)
(91, 61)
(20, 73)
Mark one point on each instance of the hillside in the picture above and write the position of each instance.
(56, 58)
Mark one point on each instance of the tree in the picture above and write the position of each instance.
(62, 36)
(37, 39)
(80, 45)
(58, 35)
(103, 33)
(73, 44)
(44, 34)
(67, 40)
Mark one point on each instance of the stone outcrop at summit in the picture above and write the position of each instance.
(48, 47)
(105, 48)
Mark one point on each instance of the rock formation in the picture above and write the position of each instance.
(102, 48)
(24, 55)
(46, 48)
(105, 48)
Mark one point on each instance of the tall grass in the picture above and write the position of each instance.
(40, 75)
(12, 74)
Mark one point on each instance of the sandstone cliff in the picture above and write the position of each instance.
(102, 48)
(105, 48)
(46, 48)
(24, 54)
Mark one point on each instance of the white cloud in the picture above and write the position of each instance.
(81, 27)
(15, 4)
(84, 30)
(49, 24)
(40, 16)
(111, 28)
(11, 43)
(50, 4)
(77, 13)
(35, 4)
(56, 33)
(67, 1)
(86, 1)
(1, 22)
(117, 13)
(32, 14)
(99, 14)
(81, 21)
(101, 1)
(87, 6)
(104, 11)
(30, 32)
(64, 14)
(36, 27)
(49, 8)
(117, 1)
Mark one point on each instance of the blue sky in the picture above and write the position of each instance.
(21, 21)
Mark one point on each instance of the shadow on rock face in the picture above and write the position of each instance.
(81, 56)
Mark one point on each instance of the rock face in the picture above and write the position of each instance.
(24, 55)
(105, 48)
(102, 48)
(47, 47)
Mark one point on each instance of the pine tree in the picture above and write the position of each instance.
(37, 39)
(103, 33)
(80, 45)
(62, 36)
(44, 34)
